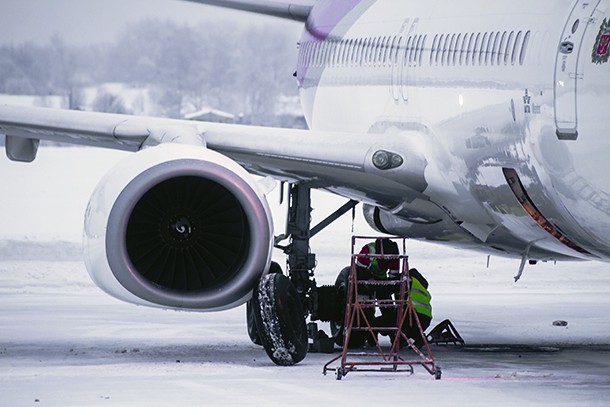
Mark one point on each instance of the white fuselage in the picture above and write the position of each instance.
(487, 92)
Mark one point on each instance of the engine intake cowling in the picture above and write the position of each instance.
(178, 227)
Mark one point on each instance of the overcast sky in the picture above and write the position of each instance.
(82, 22)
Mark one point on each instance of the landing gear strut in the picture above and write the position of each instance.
(281, 304)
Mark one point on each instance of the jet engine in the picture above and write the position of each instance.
(178, 226)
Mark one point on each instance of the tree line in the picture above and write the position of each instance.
(241, 70)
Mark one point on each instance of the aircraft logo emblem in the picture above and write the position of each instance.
(601, 50)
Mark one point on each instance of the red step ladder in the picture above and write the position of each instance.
(359, 310)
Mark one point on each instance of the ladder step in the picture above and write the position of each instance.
(374, 328)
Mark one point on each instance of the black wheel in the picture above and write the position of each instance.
(357, 338)
(280, 320)
(251, 322)
(336, 326)
(437, 373)
(250, 319)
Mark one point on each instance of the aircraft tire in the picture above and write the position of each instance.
(280, 320)
(251, 322)
(250, 317)
(357, 338)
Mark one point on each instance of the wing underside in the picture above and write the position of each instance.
(340, 162)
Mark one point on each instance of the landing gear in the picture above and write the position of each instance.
(282, 303)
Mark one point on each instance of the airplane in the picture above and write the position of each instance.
(480, 125)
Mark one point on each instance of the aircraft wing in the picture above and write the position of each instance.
(340, 162)
(298, 11)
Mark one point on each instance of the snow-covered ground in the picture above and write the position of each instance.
(65, 343)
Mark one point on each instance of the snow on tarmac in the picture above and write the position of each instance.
(65, 343)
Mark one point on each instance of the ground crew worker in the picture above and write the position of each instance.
(421, 298)
(388, 268)
(378, 268)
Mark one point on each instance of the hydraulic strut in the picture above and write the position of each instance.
(300, 261)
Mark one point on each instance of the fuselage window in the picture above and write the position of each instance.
(323, 53)
(450, 50)
(383, 51)
(361, 50)
(349, 50)
(483, 49)
(366, 52)
(489, 48)
(493, 56)
(306, 52)
(433, 49)
(469, 49)
(350, 54)
(331, 51)
(516, 48)
(390, 52)
(421, 43)
(502, 48)
(348, 45)
(312, 54)
(475, 49)
(319, 54)
(509, 47)
(340, 50)
(439, 49)
(445, 49)
(397, 50)
(357, 50)
(459, 43)
(414, 50)
(322, 57)
(407, 51)
(379, 51)
(526, 41)
(500, 40)
(374, 51)
(335, 49)
(386, 51)
(463, 42)
(458, 56)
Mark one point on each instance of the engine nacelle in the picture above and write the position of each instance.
(178, 226)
